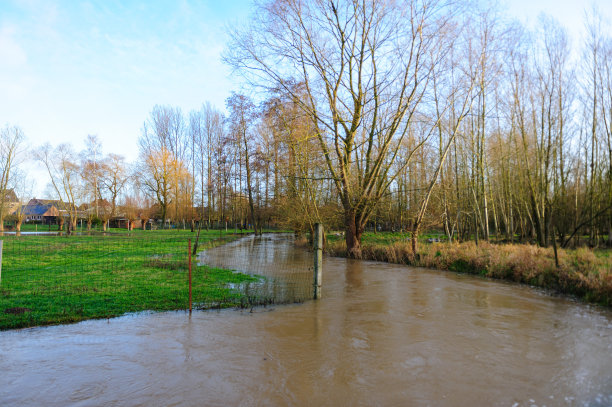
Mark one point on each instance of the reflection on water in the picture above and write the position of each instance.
(287, 274)
(381, 335)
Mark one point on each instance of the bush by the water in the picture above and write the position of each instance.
(581, 272)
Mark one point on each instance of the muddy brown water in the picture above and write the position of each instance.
(382, 335)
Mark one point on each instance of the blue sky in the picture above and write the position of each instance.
(72, 68)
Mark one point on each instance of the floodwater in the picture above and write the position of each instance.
(287, 271)
(381, 335)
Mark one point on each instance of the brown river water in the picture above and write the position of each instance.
(382, 334)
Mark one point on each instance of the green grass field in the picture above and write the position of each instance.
(57, 279)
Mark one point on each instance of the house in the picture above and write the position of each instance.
(9, 201)
(45, 211)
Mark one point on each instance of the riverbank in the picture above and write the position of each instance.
(382, 334)
(49, 280)
(581, 272)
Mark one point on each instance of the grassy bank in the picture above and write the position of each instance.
(56, 279)
(584, 273)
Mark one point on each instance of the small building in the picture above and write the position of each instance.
(45, 211)
(9, 201)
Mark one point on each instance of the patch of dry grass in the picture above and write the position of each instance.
(580, 272)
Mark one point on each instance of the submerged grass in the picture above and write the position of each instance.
(582, 272)
(56, 279)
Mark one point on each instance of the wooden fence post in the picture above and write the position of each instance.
(189, 249)
(1, 247)
(318, 259)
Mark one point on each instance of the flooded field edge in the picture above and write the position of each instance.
(382, 334)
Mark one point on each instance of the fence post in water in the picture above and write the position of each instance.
(189, 260)
(318, 259)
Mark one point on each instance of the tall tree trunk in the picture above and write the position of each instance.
(248, 180)
(353, 231)
(414, 239)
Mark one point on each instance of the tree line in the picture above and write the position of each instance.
(410, 115)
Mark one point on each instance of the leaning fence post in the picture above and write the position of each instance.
(189, 249)
(318, 259)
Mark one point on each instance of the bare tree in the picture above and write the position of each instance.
(290, 151)
(11, 150)
(23, 191)
(206, 131)
(453, 97)
(91, 169)
(114, 175)
(64, 173)
(162, 149)
(156, 174)
(604, 69)
(242, 115)
(365, 66)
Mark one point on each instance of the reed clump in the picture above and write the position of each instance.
(580, 272)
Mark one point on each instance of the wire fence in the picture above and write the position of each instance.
(285, 273)
(47, 279)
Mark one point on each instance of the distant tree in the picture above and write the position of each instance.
(162, 149)
(64, 173)
(91, 169)
(297, 170)
(23, 191)
(156, 175)
(206, 132)
(241, 122)
(136, 206)
(11, 150)
(114, 176)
